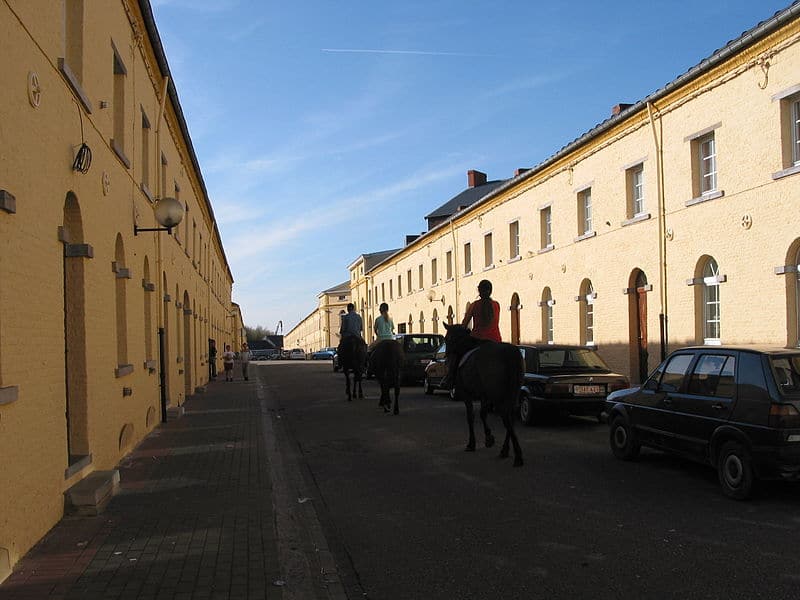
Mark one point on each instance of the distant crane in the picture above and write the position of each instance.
(279, 327)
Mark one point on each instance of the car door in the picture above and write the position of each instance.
(706, 402)
(653, 412)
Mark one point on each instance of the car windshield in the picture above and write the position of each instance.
(787, 373)
(571, 359)
(421, 343)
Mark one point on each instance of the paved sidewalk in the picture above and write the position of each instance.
(194, 517)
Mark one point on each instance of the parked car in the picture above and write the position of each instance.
(565, 379)
(734, 408)
(261, 354)
(436, 370)
(297, 354)
(418, 351)
(323, 354)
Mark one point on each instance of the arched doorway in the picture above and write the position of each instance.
(637, 310)
(74, 297)
(435, 321)
(188, 356)
(164, 347)
(515, 308)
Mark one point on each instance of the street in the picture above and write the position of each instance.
(408, 514)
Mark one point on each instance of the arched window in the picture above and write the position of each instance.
(586, 300)
(450, 315)
(421, 321)
(515, 308)
(410, 324)
(546, 305)
(120, 304)
(796, 281)
(435, 321)
(711, 304)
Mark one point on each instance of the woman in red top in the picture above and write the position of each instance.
(484, 314)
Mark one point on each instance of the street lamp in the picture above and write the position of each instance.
(168, 212)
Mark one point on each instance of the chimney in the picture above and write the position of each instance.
(520, 171)
(475, 178)
(618, 108)
(410, 238)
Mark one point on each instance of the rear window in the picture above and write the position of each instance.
(714, 375)
(786, 370)
(421, 343)
(571, 359)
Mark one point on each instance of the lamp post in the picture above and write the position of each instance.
(168, 212)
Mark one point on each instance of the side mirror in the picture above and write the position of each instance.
(651, 385)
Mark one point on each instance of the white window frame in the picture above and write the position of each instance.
(513, 239)
(707, 163)
(546, 224)
(637, 190)
(712, 319)
(585, 210)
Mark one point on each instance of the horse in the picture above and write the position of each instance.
(491, 372)
(385, 362)
(352, 353)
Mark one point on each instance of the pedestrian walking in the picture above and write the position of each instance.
(244, 356)
(212, 359)
(227, 360)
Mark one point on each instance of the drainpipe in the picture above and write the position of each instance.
(662, 233)
(456, 271)
(159, 277)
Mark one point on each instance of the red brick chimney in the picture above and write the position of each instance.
(475, 178)
(618, 108)
(520, 171)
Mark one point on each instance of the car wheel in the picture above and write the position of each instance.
(526, 409)
(622, 439)
(735, 471)
(428, 387)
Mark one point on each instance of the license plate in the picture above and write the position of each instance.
(588, 390)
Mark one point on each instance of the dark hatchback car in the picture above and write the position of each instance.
(418, 351)
(565, 379)
(734, 408)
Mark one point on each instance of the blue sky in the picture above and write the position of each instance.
(328, 129)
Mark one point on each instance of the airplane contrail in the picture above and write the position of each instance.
(416, 52)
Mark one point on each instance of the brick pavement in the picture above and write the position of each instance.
(194, 517)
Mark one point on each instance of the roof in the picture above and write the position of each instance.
(342, 287)
(466, 198)
(373, 258)
(759, 348)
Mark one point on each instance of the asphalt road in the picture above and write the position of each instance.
(409, 515)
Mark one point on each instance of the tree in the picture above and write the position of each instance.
(256, 333)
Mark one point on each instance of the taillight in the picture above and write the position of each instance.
(618, 385)
(784, 415)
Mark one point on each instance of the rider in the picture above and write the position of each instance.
(352, 324)
(383, 328)
(485, 316)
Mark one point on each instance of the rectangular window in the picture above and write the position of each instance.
(399, 286)
(410, 286)
(391, 289)
(545, 220)
(513, 240)
(585, 211)
(796, 130)
(162, 189)
(790, 127)
(73, 37)
(146, 155)
(467, 258)
(635, 190)
(704, 165)
(434, 272)
(383, 292)
(421, 278)
(118, 108)
(488, 258)
(449, 264)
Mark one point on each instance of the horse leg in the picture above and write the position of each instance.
(360, 390)
(487, 433)
(508, 421)
(470, 423)
(396, 395)
(347, 384)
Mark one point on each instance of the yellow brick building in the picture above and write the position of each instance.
(670, 223)
(89, 310)
(320, 328)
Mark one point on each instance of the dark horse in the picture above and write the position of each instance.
(492, 373)
(385, 362)
(352, 353)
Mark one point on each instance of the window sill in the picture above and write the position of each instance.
(117, 148)
(9, 394)
(585, 236)
(488, 268)
(517, 258)
(786, 172)
(74, 84)
(636, 219)
(468, 273)
(548, 248)
(78, 465)
(123, 370)
(705, 198)
(448, 280)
